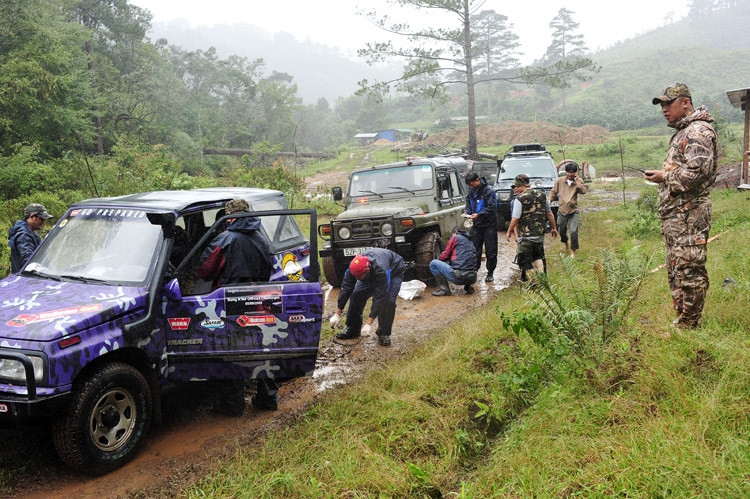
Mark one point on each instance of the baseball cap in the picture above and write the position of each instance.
(360, 266)
(36, 209)
(521, 179)
(672, 92)
(236, 205)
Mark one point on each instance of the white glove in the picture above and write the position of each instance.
(366, 329)
(334, 320)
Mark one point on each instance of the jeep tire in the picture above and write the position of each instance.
(108, 416)
(334, 271)
(429, 247)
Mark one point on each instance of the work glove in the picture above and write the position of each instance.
(366, 329)
(334, 320)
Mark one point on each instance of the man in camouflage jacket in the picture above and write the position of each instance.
(530, 213)
(685, 182)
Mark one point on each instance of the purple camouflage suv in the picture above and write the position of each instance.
(109, 313)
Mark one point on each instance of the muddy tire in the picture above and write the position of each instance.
(334, 271)
(428, 248)
(108, 416)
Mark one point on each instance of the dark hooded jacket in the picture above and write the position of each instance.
(460, 252)
(482, 201)
(22, 242)
(239, 254)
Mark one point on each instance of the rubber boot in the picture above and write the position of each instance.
(444, 290)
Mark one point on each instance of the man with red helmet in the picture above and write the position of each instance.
(376, 273)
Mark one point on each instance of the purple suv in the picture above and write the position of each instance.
(109, 313)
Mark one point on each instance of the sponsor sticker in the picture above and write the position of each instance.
(25, 319)
(179, 324)
(3, 408)
(212, 323)
(74, 213)
(291, 267)
(253, 301)
(64, 223)
(255, 320)
(301, 318)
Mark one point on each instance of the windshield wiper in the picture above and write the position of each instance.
(42, 275)
(86, 280)
(399, 187)
(371, 192)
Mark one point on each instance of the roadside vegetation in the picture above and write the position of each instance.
(578, 386)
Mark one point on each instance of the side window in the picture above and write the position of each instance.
(455, 188)
(444, 186)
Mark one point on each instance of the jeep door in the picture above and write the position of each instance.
(254, 329)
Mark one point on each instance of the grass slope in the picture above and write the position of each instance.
(468, 415)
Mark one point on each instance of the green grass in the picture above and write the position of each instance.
(677, 423)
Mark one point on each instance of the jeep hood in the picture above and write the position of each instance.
(43, 310)
(370, 211)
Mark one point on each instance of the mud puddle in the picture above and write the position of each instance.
(192, 439)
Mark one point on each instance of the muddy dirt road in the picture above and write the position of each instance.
(193, 439)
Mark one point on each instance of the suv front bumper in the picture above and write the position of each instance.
(18, 407)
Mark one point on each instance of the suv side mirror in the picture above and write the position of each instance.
(338, 194)
(171, 291)
(500, 165)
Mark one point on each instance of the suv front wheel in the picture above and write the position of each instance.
(428, 248)
(109, 415)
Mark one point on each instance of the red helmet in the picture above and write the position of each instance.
(360, 266)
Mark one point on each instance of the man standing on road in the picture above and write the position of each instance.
(531, 212)
(567, 189)
(457, 264)
(23, 238)
(481, 206)
(240, 254)
(684, 205)
(376, 273)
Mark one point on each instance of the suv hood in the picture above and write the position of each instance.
(546, 184)
(43, 310)
(370, 211)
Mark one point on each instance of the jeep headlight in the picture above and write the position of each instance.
(503, 196)
(13, 369)
(344, 233)
(386, 229)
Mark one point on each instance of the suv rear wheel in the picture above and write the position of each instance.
(428, 248)
(109, 414)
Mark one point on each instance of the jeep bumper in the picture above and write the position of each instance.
(15, 407)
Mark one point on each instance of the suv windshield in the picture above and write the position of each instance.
(533, 167)
(390, 180)
(115, 246)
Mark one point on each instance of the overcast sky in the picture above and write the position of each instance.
(336, 23)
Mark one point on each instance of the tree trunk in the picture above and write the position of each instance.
(97, 110)
(470, 84)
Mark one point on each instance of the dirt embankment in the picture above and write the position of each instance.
(515, 132)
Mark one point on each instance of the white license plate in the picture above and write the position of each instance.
(554, 204)
(354, 251)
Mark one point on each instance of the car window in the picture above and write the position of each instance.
(533, 167)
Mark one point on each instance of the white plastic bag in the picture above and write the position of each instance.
(411, 289)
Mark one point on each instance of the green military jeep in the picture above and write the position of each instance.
(408, 207)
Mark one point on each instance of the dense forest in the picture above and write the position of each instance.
(91, 106)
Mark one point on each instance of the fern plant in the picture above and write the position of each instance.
(590, 307)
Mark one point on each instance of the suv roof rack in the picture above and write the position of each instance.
(533, 149)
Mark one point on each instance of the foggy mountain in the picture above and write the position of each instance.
(318, 70)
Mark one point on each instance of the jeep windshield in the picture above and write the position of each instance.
(98, 245)
(390, 180)
(533, 167)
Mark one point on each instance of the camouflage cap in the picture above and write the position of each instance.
(236, 205)
(36, 209)
(521, 179)
(672, 92)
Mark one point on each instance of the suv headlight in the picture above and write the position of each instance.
(344, 233)
(503, 196)
(13, 369)
(386, 229)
